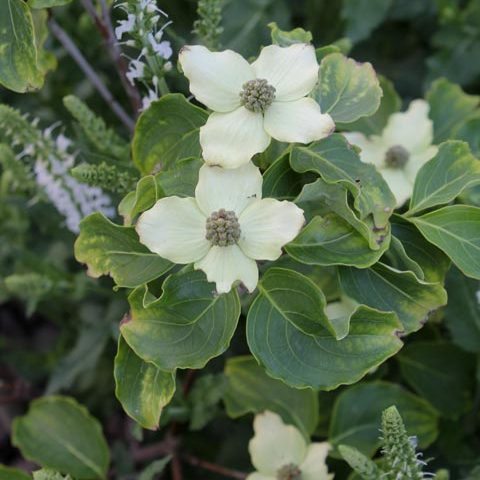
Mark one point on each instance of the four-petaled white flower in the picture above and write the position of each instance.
(404, 146)
(253, 102)
(279, 452)
(224, 229)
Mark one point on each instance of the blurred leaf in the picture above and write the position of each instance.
(347, 90)
(60, 434)
(280, 181)
(470, 132)
(47, 3)
(357, 416)
(285, 39)
(47, 474)
(155, 468)
(142, 388)
(361, 464)
(7, 473)
(45, 60)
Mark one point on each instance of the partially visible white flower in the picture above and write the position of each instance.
(279, 452)
(136, 69)
(162, 48)
(253, 102)
(125, 26)
(404, 146)
(148, 99)
(224, 229)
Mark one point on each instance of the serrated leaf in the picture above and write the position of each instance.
(166, 131)
(336, 161)
(59, 433)
(347, 90)
(444, 177)
(390, 290)
(141, 387)
(110, 249)
(7, 473)
(184, 328)
(357, 416)
(285, 39)
(454, 230)
(251, 390)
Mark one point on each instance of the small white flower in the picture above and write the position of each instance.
(163, 48)
(125, 26)
(136, 69)
(279, 452)
(147, 100)
(253, 102)
(224, 229)
(404, 146)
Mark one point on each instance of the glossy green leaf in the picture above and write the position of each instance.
(184, 328)
(336, 161)
(284, 38)
(332, 241)
(280, 181)
(144, 197)
(47, 3)
(317, 361)
(357, 416)
(181, 179)
(444, 177)
(450, 108)
(7, 473)
(142, 389)
(251, 390)
(441, 373)
(110, 249)
(347, 90)
(166, 131)
(455, 230)
(390, 290)
(60, 434)
(45, 60)
(18, 54)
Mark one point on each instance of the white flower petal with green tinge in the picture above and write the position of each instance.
(231, 189)
(398, 184)
(297, 121)
(413, 130)
(261, 476)
(275, 444)
(417, 161)
(216, 78)
(225, 265)
(174, 228)
(232, 139)
(267, 225)
(293, 70)
(373, 149)
(314, 466)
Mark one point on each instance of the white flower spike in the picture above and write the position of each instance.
(279, 452)
(224, 229)
(403, 148)
(253, 102)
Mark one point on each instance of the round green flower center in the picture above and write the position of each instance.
(396, 157)
(257, 95)
(289, 472)
(223, 228)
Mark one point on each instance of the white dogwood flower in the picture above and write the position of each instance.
(279, 452)
(404, 146)
(253, 102)
(224, 229)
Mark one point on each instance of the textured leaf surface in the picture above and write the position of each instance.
(47, 3)
(60, 434)
(7, 473)
(184, 328)
(251, 390)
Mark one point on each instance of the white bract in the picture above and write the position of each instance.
(253, 102)
(279, 452)
(404, 146)
(224, 229)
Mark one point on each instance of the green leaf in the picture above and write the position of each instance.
(142, 389)
(318, 361)
(454, 230)
(110, 249)
(361, 464)
(470, 132)
(184, 328)
(146, 194)
(280, 181)
(336, 161)
(166, 131)
(18, 54)
(332, 241)
(347, 90)
(7, 473)
(462, 313)
(357, 416)
(390, 290)
(444, 177)
(434, 368)
(47, 3)
(251, 390)
(363, 16)
(60, 434)
(45, 60)
(155, 468)
(47, 474)
(285, 39)
(450, 108)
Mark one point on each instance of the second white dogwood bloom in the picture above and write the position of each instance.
(404, 146)
(224, 229)
(253, 102)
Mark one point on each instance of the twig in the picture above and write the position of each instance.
(96, 81)
(213, 467)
